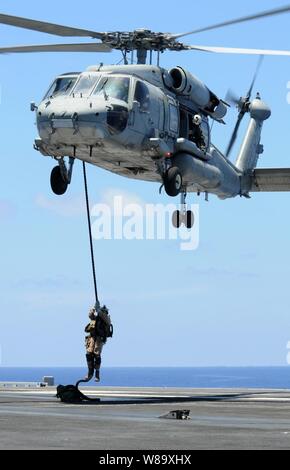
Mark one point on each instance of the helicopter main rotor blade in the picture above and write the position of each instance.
(236, 50)
(276, 11)
(90, 47)
(49, 28)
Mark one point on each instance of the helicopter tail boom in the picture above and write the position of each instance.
(251, 148)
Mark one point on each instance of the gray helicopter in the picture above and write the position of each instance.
(147, 123)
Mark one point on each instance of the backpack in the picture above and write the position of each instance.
(104, 327)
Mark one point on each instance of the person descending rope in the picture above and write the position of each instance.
(99, 330)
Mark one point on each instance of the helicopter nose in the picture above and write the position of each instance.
(72, 121)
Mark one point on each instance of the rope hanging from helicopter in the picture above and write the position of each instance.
(90, 233)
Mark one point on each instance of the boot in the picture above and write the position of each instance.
(97, 368)
(97, 375)
(90, 362)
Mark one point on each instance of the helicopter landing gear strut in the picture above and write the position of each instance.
(61, 176)
(183, 216)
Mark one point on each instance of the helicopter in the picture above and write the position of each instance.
(147, 123)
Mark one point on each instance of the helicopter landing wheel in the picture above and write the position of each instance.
(179, 219)
(173, 182)
(176, 219)
(58, 184)
(189, 219)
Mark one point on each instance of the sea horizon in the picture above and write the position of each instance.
(277, 377)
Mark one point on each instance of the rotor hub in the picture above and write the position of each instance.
(142, 39)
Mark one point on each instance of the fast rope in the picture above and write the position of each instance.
(90, 233)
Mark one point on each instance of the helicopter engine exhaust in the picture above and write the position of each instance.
(186, 84)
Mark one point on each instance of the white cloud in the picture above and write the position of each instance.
(73, 206)
(109, 195)
(65, 206)
(128, 198)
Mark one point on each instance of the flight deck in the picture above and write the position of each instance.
(133, 419)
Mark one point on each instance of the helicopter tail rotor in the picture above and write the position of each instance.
(243, 105)
(232, 98)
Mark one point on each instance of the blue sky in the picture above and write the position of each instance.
(226, 303)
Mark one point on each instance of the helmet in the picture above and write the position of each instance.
(197, 120)
(104, 309)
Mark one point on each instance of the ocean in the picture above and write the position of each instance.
(192, 377)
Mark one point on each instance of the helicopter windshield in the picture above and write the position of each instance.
(61, 86)
(114, 87)
(86, 84)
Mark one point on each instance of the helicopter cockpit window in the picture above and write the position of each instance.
(61, 86)
(114, 87)
(142, 95)
(85, 84)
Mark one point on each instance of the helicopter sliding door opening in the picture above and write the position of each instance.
(199, 134)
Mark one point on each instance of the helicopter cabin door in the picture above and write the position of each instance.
(148, 112)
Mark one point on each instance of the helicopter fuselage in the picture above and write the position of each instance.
(131, 121)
